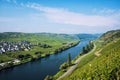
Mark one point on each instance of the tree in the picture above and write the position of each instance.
(84, 50)
(69, 59)
(21, 56)
(1, 61)
(1, 67)
(27, 56)
(91, 45)
(88, 47)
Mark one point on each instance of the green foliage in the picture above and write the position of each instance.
(97, 68)
(84, 50)
(69, 60)
(47, 43)
(20, 56)
(1, 61)
(63, 67)
(104, 67)
(110, 36)
(4, 58)
(88, 48)
(48, 77)
(44, 45)
(67, 64)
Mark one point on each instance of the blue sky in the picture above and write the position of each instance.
(59, 16)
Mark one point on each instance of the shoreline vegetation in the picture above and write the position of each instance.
(103, 63)
(57, 43)
(66, 69)
(77, 60)
(17, 62)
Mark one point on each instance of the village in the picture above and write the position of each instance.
(6, 47)
(14, 46)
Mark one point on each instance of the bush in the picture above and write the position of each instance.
(63, 66)
(27, 56)
(48, 77)
(20, 57)
(38, 52)
(1, 67)
(1, 61)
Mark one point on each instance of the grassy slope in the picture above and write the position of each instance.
(54, 40)
(83, 61)
(110, 36)
(105, 67)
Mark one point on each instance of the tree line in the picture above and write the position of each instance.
(88, 48)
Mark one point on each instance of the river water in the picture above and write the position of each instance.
(39, 69)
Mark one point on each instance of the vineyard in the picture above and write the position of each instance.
(106, 66)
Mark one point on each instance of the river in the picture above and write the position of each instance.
(39, 69)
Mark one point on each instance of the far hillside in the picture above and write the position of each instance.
(88, 36)
(35, 37)
(110, 36)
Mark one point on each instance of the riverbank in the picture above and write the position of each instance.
(17, 62)
(62, 74)
(39, 69)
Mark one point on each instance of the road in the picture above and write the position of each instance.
(72, 68)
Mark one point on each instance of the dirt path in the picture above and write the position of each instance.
(72, 68)
(98, 53)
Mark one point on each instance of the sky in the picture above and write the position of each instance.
(59, 16)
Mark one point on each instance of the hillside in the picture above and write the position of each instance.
(103, 63)
(35, 37)
(88, 36)
(40, 41)
(110, 36)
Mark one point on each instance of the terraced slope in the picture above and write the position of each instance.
(103, 66)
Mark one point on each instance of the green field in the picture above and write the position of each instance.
(58, 42)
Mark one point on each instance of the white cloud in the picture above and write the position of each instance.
(103, 11)
(46, 19)
(107, 11)
(60, 15)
